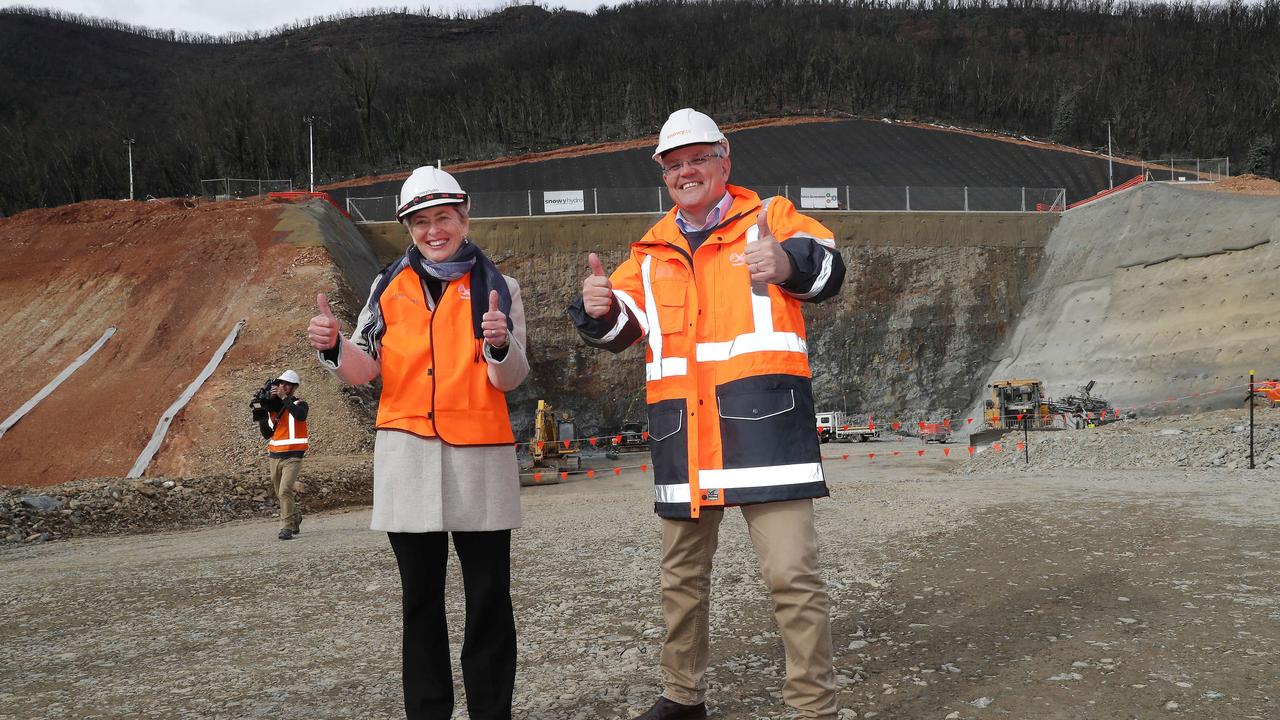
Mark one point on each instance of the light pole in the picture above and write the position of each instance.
(1110, 182)
(310, 120)
(129, 144)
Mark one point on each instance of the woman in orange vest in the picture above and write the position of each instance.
(445, 330)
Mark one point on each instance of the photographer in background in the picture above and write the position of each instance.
(282, 418)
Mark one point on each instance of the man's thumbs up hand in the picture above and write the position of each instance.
(597, 291)
(494, 323)
(323, 330)
(766, 260)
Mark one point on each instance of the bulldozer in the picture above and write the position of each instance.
(555, 445)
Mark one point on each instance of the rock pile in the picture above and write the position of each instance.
(116, 505)
(1204, 440)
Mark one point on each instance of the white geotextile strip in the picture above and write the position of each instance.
(53, 385)
(162, 427)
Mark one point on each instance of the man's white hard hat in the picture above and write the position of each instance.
(687, 126)
(427, 187)
(290, 377)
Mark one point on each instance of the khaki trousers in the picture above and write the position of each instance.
(284, 473)
(787, 546)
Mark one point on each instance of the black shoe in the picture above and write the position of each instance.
(666, 709)
(285, 534)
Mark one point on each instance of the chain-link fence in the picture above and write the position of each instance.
(228, 187)
(593, 201)
(1188, 169)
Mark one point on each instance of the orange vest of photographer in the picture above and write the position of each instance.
(435, 380)
(290, 434)
(727, 367)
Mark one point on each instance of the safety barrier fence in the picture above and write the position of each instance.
(292, 195)
(604, 201)
(941, 451)
(227, 188)
(1131, 182)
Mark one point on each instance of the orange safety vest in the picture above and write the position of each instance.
(727, 367)
(290, 435)
(435, 380)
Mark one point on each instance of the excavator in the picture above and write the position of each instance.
(555, 445)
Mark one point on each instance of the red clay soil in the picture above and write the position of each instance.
(1245, 185)
(173, 278)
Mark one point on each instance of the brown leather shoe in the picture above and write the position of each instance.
(666, 709)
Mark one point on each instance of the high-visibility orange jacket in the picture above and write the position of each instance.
(289, 436)
(435, 380)
(727, 367)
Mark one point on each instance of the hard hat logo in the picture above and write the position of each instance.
(687, 126)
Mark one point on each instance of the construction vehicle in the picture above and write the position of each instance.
(1022, 404)
(555, 445)
(1266, 393)
(939, 432)
(633, 436)
(837, 425)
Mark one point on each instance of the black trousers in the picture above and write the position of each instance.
(489, 637)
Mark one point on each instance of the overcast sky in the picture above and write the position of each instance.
(220, 16)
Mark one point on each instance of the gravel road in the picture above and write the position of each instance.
(1062, 594)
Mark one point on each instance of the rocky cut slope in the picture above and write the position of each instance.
(1161, 294)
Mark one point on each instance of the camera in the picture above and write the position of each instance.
(264, 401)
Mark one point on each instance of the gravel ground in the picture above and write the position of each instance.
(1073, 594)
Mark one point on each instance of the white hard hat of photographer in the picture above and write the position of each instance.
(427, 187)
(290, 377)
(687, 126)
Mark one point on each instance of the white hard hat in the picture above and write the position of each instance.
(290, 377)
(427, 187)
(687, 126)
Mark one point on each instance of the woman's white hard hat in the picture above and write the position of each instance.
(290, 377)
(687, 126)
(427, 187)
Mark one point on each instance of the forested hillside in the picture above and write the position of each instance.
(392, 90)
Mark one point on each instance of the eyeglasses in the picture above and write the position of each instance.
(695, 162)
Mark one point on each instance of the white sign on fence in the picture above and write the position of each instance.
(558, 201)
(819, 198)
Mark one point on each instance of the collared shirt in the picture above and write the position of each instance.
(714, 217)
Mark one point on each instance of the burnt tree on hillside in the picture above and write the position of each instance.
(400, 89)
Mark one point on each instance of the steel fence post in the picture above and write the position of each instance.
(1024, 199)
(966, 198)
(908, 198)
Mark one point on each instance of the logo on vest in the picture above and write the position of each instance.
(464, 292)
(405, 297)
(737, 259)
(711, 496)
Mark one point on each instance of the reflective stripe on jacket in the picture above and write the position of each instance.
(289, 434)
(435, 380)
(727, 367)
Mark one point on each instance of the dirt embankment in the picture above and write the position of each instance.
(173, 278)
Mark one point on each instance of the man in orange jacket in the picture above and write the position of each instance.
(715, 289)
(284, 426)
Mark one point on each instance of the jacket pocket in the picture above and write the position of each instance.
(757, 405)
(665, 422)
(669, 295)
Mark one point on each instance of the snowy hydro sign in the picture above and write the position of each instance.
(819, 198)
(558, 201)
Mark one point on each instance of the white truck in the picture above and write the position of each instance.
(840, 426)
